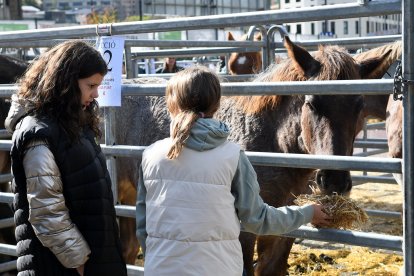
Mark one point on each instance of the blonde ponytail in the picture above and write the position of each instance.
(182, 124)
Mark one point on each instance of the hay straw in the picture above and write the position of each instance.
(344, 211)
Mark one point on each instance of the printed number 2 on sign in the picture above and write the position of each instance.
(111, 49)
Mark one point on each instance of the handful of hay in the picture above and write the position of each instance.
(344, 211)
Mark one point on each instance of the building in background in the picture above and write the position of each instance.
(186, 8)
(161, 8)
(201, 7)
(76, 4)
(340, 28)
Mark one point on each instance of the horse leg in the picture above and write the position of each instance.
(130, 246)
(273, 253)
(247, 241)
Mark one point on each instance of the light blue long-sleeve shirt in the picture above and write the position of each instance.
(255, 216)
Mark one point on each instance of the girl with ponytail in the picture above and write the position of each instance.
(196, 189)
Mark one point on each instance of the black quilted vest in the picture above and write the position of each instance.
(88, 196)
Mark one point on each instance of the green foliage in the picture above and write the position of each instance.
(108, 16)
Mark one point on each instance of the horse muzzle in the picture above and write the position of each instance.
(333, 181)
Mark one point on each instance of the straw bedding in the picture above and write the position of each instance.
(345, 212)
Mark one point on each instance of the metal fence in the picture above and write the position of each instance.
(369, 87)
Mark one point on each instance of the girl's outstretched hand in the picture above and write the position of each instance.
(320, 218)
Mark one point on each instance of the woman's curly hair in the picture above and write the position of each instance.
(50, 86)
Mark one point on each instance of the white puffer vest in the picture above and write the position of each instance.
(191, 221)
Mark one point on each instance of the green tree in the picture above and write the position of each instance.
(108, 16)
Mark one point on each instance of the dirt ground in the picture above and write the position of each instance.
(327, 259)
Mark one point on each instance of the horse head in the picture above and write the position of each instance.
(245, 63)
(329, 122)
(375, 105)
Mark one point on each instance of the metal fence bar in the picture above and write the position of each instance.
(5, 177)
(371, 152)
(223, 77)
(125, 211)
(327, 12)
(361, 179)
(372, 240)
(8, 249)
(193, 52)
(408, 135)
(384, 214)
(337, 87)
(133, 270)
(142, 43)
(370, 144)
(380, 125)
(332, 162)
(6, 222)
(7, 266)
(354, 42)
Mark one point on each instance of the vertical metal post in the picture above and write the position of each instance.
(365, 137)
(109, 116)
(408, 136)
(271, 41)
(265, 49)
(130, 68)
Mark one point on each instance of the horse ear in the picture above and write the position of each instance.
(371, 68)
(230, 36)
(387, 55)
(302, 59)
(258, 37)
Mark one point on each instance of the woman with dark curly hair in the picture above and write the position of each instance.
(64, 213)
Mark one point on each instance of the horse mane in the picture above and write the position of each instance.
(336, 64)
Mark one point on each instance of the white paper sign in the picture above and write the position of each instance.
(111, 49)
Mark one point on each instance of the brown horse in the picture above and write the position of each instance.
(376, 105)
(245, 63)
(287, 124)
(313, 124)
(384, 107)
(393, 126)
